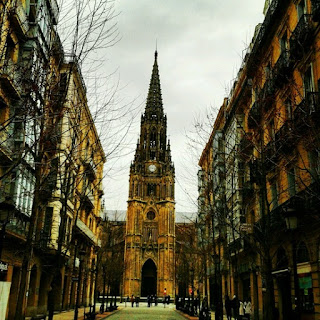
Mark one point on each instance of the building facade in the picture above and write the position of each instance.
(51, 168)
(150, 225)
(269, 129)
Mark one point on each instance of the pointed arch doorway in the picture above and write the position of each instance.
(149, 278)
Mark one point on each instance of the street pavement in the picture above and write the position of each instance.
(146, 313)
(128, 313)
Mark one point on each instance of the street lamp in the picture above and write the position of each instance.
(81, 256)
(292, 224)
(192, 289)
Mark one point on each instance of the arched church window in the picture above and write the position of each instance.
(152, 155)
(150, 189)
(162, 141)
(145, 141)
(151, 215)
(153, 138)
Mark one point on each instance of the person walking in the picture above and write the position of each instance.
(235, 307)
(132, 300)
(248, 309)
(241, 310)
(227, 305)
(50, 304)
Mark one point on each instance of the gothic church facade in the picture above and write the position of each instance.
(150, 224)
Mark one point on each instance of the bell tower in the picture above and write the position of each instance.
(150, 225)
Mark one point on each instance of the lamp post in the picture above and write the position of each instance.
(104, 288)
(292, 223)
(81, 256)
(192, 290)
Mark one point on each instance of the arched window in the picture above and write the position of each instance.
(153, 138)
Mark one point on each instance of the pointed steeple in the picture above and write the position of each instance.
(154, 106)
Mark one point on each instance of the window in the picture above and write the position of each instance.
(151, 215)
(48, 221)
(283, 42)
(274, 195)
(308, 81)
(288, 106)
(314, 164)
(24, 190)
(301, 8)
(271, 133)
(291, 181)
(151, 189)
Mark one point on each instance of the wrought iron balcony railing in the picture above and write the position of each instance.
(301, 37)
(282, 69)
(10, 77)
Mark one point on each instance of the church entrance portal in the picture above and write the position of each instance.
(149, 279)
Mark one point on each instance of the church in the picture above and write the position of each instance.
(149, 254)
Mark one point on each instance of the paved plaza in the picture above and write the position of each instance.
(143, 312)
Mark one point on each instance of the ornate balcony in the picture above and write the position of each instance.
(307, 112)
(301, 37)
(286, 137)
(19, 19)
(282, 69)
(10, 77)
(270, 155)
(89, 168)
(267, 93)
(245, 146)
(88, 197)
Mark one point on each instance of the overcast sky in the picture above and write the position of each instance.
(200, 46)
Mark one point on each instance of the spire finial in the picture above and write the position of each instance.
(156, 52)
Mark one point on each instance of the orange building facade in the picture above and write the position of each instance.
(269, 147)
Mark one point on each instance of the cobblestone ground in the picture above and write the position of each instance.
(145, 313)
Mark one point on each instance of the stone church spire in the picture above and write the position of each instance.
(154, 106)
(152, 145)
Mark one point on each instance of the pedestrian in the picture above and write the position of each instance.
(235, 307)
(148, 300)
(248, 309)
(50, 303)
(137, 301)
(155, 300)
(241, 310)
(227, 305)
(132, 300)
